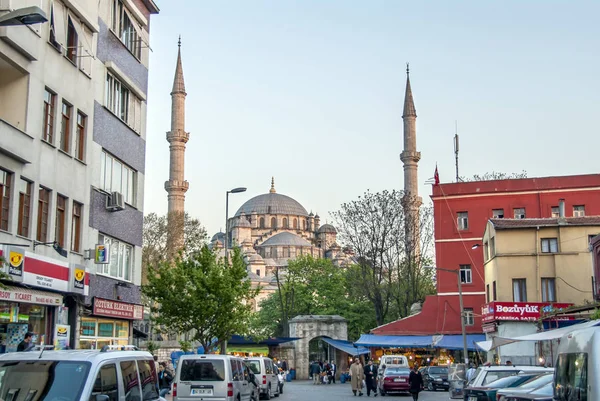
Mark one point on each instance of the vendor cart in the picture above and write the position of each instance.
(457, 378)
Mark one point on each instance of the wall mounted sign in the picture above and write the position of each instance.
(120, 310)
(519, 311)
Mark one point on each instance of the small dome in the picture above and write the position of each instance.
(327, 228)
(317, 216)
(286, 239)
(311, 214)
(255, 259)
(242, 222)
(218, 236)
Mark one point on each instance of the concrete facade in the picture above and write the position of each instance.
(309, 327)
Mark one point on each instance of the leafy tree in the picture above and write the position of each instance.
(201, 295)
(494, 175)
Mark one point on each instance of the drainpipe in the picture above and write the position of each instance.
(537, 264)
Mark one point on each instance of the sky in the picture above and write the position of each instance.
(311, 92)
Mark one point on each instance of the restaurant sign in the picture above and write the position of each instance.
(519, 311)
(120, 310)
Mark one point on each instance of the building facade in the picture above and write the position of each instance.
(60, 127)
(461, 212)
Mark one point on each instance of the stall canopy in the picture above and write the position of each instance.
(455, 342)
(373, 340)
(346, 346)
(496, 342)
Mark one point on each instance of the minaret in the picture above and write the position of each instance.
(410, 159)
(176, 187)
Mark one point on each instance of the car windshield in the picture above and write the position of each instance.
(537, 381)
(546, 389)
(202, 370)
(477, 372)
(397, 371)
(492, 376)
(506, 382)
(254, 366)
(436, 370)
(43, 380)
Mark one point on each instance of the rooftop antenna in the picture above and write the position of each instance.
(456, 148)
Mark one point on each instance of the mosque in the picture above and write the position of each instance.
(272, 229)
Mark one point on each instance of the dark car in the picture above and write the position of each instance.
(394, 380)
(544, 393)
(435, 377)
(488, 393)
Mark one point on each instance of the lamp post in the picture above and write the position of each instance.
(462, 311)
(226, 243)
(24, 16)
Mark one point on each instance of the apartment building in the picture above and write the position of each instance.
(58, 129)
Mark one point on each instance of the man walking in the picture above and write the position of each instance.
(333, 371)
(357, 375)
(370, 378)
(315, 371)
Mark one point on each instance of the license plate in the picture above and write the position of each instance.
(473, 398)
(445, 383)
(201, 391)
(399, 379)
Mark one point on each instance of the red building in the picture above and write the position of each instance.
(461, 211)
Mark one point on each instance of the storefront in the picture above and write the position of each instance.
(111, 323)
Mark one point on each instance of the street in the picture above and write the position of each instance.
(305, 390)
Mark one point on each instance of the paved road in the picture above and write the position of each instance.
(305, 391)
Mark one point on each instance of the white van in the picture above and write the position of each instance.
(393, 361)
(266, 371)
(207, 377)
(577, 369)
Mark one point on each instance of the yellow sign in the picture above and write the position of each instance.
(15, 263)
(79, 278)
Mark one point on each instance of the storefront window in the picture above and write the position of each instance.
(96, 333)
(16, 319)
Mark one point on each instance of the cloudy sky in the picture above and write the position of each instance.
(311, 92)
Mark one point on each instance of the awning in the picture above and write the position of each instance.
(139, 334)
(496, 342)
(455, 342)
(248, 349)
(372, 340)
(346, 346)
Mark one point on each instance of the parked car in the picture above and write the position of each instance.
(489, 391)
(487, 374)
(394, 380)
(435, 377)
(254, 383)
(544, 393)
(103, 375)
(529, 386)
(266, 371)
(223, 377)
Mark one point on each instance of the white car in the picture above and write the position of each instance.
(488, 374)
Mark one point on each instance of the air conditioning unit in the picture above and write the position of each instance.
(115, 202)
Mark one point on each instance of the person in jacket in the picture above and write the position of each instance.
(371, 378)
(315, 371)
(357, 375)
(164, 379)
(415, 381)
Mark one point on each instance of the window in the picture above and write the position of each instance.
(571, 377)
(116, 176)
(519, 290)
(96, 333)
(106, 383)
(498, 213)
(295, 223)
(199, 370)
(123, 103)
(121, 259)
(519, 213)
(42, 218)
(131, 383)
(487, 293)
(149, 379)
(495, 297)
(466, 274)
(463, 221)
(65, 129)
(76, 227)
(235, 370)
(80, 136)
(555, 210)
(468, 316)
(258, 272)
(579, 211)
(492, 247)
(5, 184)
(49, 104)
(52, 35)
(549, 245)
(72, 41)
(61, 216)
(486, 250)
(262, 222)
(548, 289)
(285, 223)
(124, 26)
(273, 222)
(24, 207)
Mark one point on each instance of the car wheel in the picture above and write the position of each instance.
(269, 393)
(430, 386)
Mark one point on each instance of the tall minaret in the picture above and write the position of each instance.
(176, 187)
(410, 159)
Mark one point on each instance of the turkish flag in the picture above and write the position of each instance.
(436, 176)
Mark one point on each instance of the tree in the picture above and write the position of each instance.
(201, 295)
(156, 234)
(494, 175)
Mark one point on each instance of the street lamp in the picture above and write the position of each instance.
(462, 312)
(233, 191)
(475, 246)
(24, 16)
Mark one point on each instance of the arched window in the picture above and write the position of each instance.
(285, 224)
(262, 222)
(304, 224)
(274, 253)
(258, 272)
(295, 223)
(273, 222)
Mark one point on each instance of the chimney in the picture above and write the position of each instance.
(561, 208)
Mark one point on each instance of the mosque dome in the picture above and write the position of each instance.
(286, 239)
(218, 236)
(242, 222)
(327, 228)
(255, 258)
(272, 203)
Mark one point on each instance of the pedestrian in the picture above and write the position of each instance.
(471, 372)
(333, 371)
(357, 375)
(508, 363)
(25, 345)
(315, 371)
(415, 381)
(164, 379)
(371, 378)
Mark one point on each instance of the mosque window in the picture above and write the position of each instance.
(285, 223)
(262, 222)
(295, 223)
(273, 222)
(258, 272)
(274, 253)
(304, 224)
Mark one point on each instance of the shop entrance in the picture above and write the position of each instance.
(319, 350)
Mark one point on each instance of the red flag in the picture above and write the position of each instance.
(436, 176)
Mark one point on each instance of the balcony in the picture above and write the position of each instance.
(15, 143)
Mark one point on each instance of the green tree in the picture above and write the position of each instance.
(201, 295)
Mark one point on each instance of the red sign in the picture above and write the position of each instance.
(121, 310)
(519, 311)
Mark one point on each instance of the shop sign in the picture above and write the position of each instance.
(78, 280)
(102, 256)
(16, 262)
(519, 311)
(17, 295)
(61, 336)
(121, 310)
(489, 328)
